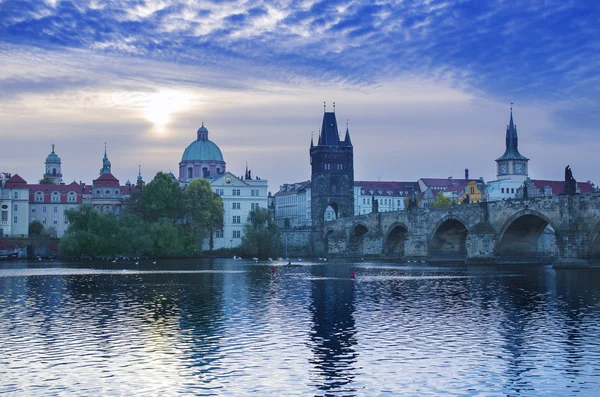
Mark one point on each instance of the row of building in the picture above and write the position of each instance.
(295, 205)
(22, 203)
(292, 203)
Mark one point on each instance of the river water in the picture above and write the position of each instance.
(239, 328)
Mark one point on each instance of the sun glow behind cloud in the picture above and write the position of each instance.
(159, 107)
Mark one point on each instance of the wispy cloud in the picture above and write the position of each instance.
(80, 62)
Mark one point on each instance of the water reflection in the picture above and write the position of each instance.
(333, 331)
(221, 327)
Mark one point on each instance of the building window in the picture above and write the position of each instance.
(254, 206)
(236, 192)
(16, 195)
(502, 190)
(55, 209)
(66, 221)
(235, 206)
(55, 221)
(15, 207)
(44, 221)
(512, 190)
(219, 234)
(72, 197)
(190, 172)
(254, 193)
(55, 197)
(33, 210)
(237, 219)
(44, 209)
(39, 196)
(97, 191)
(15, 219)
(237, 234)
(220, 192)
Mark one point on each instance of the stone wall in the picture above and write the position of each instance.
(299, 242)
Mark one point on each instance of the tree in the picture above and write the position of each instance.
(203, 209)
(133, 204)
(161, 198)
(36, 228)
(46, 180)
(261, 234)
(441, 200)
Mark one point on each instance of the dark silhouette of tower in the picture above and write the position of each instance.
(332, 177)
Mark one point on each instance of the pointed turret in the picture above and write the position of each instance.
(329, 131)
(512, 142)
(105, 163)
(347, 141)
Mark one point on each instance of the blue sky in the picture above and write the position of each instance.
(426, 86)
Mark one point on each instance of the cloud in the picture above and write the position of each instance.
(94, 65)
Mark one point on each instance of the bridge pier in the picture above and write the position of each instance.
(480, 248)
(415, 245)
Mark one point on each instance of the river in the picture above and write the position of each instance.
(238, 328)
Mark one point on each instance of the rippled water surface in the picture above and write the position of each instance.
(234, 328)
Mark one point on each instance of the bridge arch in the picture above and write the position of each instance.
(594, 243)
(521, 233)
(331, 212)
(356, 238)
(449, 238)
(328, 232)
(393, 242)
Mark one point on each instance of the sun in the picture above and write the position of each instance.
(160, 106)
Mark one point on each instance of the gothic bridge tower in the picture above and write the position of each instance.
(332, 176)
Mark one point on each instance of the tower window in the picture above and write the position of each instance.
(190, 172)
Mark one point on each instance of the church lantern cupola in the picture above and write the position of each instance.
(53, 168)
(105, 163)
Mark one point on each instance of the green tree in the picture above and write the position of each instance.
(441, 200)
(203, 209)
(261, 234)
(161, 198)
(36, 228)
(46, 180)
(133, 204)
(90, 233)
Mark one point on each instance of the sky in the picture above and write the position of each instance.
(425, 87)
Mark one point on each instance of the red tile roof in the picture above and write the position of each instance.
(558, 187)
(106, 180)
(15, 181)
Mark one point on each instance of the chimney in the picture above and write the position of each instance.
(466, 173)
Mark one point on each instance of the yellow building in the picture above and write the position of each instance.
(475, 195)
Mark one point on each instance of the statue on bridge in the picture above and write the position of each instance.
(570, 182)
(375, 204)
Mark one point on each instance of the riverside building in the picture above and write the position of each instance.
(203, 159)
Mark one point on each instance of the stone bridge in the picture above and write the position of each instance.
(562, 229)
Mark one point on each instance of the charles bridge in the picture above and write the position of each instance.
(486, 232)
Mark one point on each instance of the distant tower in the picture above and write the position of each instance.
(140, 180)
(53, 170)
(332, 177)
(105, 163)
(512, 165)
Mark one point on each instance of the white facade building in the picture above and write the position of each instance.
(292, 205)
(14, 208)
(240, 196)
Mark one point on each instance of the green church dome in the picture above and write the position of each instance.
(202, 149)
(52, 157)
